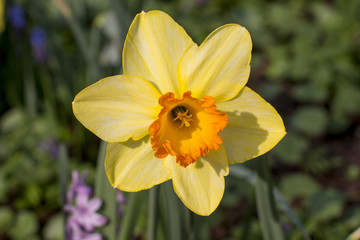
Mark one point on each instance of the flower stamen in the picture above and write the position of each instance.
(182, 114)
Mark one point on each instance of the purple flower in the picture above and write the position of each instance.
(17, 17)
(38, 44)
(78, 186)
(75, 232)
(83, 216)
(84, 213)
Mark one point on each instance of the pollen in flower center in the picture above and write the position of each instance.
(202, 124)
(181, 113)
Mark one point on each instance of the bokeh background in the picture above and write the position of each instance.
(306, 63)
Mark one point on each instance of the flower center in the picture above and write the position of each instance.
(181, 113)
(202, 124)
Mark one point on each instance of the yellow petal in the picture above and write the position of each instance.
(254, 126)
(153, 47)
(117, 108)
(220, 66)
(132, 166)
(200, 185)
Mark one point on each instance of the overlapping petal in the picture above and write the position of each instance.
(132, 166)
(219, 67)
(254, 126)
(117, 108)
(153, 47)
(200, 186)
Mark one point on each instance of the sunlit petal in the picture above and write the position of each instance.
(153, 47)
(254, 126)
(219, 67)
(200, 185)
(117, 108)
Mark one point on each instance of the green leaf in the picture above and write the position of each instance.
(53, 229)
(6, 218)
(107, 194)
(346, 99)
(298, 185)
(131, 213)
(173, 212)
(292, 149)
(25, 227)
(285, 207)
(266, 208)
(250, 176)
(312, 121)
(326, 204)
(310, 93)
(63, 176)
(153, 212)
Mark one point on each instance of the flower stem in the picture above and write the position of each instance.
(107, 193)
(153, 212)
(173, 212)
(63, 170)
(265, 203)
(130, 215)
(80, 38)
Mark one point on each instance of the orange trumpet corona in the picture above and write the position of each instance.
(186, 128)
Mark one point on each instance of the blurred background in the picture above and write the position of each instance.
(306, 63)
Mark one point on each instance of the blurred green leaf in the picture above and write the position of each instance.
(312, 121)
(352, 216)
(131, 215)
(319, 162)
(4, 185)
(298, 185)
(279, 63)
(326, 204)
(25, 227)
(353, 172)
(54, 228)
(292, 148)
(11, 120)
(107, 194)
(6, 218)
(33, 195)
(265, 204)
(310, 93)
(346, 99)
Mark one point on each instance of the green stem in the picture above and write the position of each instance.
(122, 15)
(173, 212)
(249, 215)
(267, 211)
(63, 170)
(189, 224)
(107, 193)
(130, 215)
(30, 91)
(153, 212)
(85, 49)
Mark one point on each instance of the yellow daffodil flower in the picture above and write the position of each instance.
(180, 111)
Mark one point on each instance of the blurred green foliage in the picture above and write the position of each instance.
(306, 62)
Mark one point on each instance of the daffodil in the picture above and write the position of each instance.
(180, 111)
